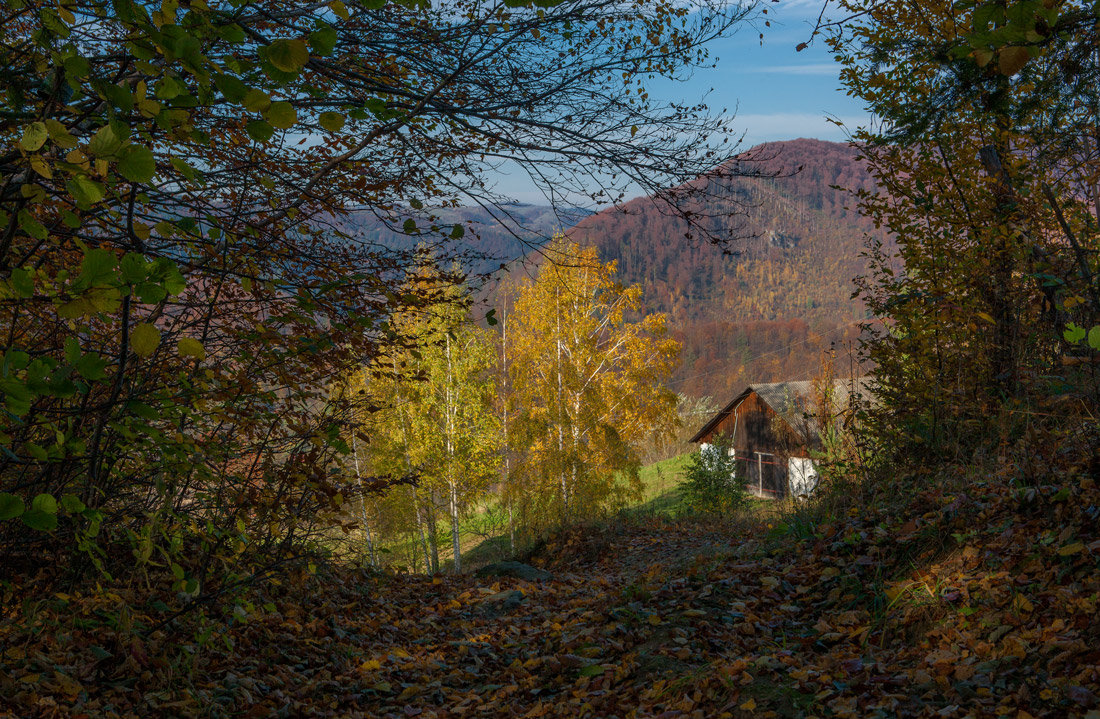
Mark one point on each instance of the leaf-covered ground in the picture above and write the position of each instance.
(973, 603)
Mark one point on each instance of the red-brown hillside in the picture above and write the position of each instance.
(762, 313)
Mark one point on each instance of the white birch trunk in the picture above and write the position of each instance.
(506, 465)
(420, 529)
(449, 411)
(363, 501)
(454, 528)
(561, 412)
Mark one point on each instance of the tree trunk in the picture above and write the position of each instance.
(506, 465)
(420, 529)
(363, 501)
(454, 529)
(450, 435)
(433, 536)
(561, 415)
(511, 530)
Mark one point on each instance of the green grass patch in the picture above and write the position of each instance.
(484, 532)
(661, 487)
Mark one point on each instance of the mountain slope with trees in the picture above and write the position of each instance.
(758, 307)
(761, 308)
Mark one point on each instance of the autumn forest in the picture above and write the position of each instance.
(301, 414)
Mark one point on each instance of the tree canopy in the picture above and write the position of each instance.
(179, 285)
(985, 155)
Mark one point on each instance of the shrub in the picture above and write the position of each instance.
(712, 483)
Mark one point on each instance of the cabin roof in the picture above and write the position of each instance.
(789, 401)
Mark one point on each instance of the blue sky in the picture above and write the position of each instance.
(777, 92)
(773, 91)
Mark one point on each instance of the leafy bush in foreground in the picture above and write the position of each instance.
(712, 484)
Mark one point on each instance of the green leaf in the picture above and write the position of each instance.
(98, 266)
(184, 169)
(168, 273)
(1073, 334)
(136, 163)
(133, 268)
(105, 143)
(168, 88)
(281, 115)
(231, 87)
(60, 135)
(144, 339)
(332, 121)
(232, 33)
(256, 100)
(409, 227)
(95, 519)
(150, 293)
(142, 410)
(118, 95)
(31, 226)
(191, 347)
(121, 130)
(985, 15)
(1094, 338)
(76, 66)
(42, 521)
(17, 397)
(22, 282)
(44, 503)
(275, 74)
(34, 136)
(85, 191)
(72, 350)
(259, 130)
(288, 55)
(11, 506)
(323, 41)
(91, 366)
(72, 503)
(592, 670)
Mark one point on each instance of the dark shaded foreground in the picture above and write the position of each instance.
(978, 603)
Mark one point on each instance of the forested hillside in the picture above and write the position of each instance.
(760, 309)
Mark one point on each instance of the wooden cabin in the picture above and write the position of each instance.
(774, 428)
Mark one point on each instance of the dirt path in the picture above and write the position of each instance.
(641, 619)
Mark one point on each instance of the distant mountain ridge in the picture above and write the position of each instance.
(491, 236)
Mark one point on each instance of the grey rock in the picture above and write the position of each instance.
(518, 570)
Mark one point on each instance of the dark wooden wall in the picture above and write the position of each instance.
(755, 427)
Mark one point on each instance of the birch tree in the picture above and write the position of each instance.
(458, 428)
(585, 387)
(437, 419)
